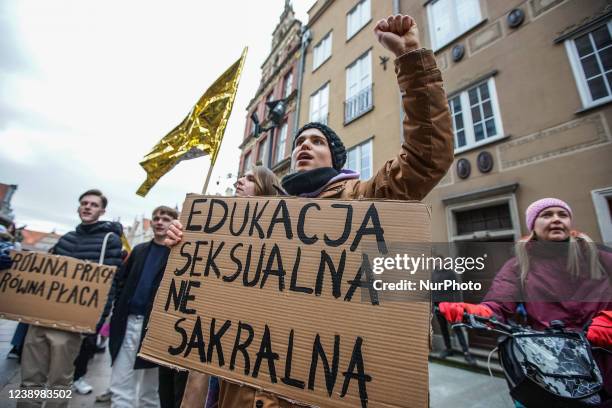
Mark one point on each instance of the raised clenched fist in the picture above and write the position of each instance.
(399, 34)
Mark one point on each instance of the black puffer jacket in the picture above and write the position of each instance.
(86, 243)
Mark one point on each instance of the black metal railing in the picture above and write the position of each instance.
(359, 104)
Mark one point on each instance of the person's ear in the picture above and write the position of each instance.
(103, 212)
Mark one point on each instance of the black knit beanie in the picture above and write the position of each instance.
(336, 147)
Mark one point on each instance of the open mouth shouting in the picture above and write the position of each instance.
(303, 158)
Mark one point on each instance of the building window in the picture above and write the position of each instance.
(262, 152)
(591, 58)
(246, 162)
(318, 105)
(448, 19)
(476, 118)
(280, 146)
(251, 126)
(288, 85)
(358, 88)
(602, 199)
(494, 219)
(457, 114)
(359, 16)
(359, 158)
(322, 51)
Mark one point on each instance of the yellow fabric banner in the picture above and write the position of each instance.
(200, 133)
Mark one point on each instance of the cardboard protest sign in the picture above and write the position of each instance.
(276, 293)
(54, 291)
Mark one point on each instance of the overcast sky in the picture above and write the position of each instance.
(88, 87)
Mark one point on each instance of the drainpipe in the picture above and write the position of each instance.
(306, 37)
(396, 10)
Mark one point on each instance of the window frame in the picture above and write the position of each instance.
(602, 213)
(370, 86)
(578, 70)
(247, 161)
(287, 92)
(509, 199)
(435, 45)
(359, 157)
(280, 149)
(262, 144)
(351, 12)
(327, 36)
(353, 64)
(468, 123)
(326, 116)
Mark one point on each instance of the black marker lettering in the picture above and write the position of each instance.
(215, 341)
(209, 229)
(265, 351)
(361, 376)
(175, 351)
(192, 212)
(196, 340)
(302, 221)
(242, 347)
(376, 229)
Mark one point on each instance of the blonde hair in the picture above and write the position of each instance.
(266, 182)
(581, 246)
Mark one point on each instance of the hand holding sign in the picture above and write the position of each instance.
(174, 235)
(399, 34)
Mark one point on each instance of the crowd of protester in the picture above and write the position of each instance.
(56, 358)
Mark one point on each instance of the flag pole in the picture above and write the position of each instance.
(210, 168)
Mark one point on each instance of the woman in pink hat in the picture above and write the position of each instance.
(559, 274)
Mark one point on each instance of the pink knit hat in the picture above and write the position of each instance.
(538, 206)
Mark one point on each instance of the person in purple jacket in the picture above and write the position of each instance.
(558, 274)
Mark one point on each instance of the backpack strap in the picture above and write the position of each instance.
(104, 243)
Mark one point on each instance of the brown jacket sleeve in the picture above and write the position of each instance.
(427, 150)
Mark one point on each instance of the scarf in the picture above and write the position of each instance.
(308, 181)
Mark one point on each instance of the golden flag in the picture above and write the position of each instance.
(125, 243)
(200, 133)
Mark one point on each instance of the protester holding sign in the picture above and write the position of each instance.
(137, 283)
(259, 181)
(319, 156)
(48, 356)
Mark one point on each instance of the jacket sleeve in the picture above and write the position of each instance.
(121, 277)
(5, 255)
(505, 293)
(112, 257)
(427, 150)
